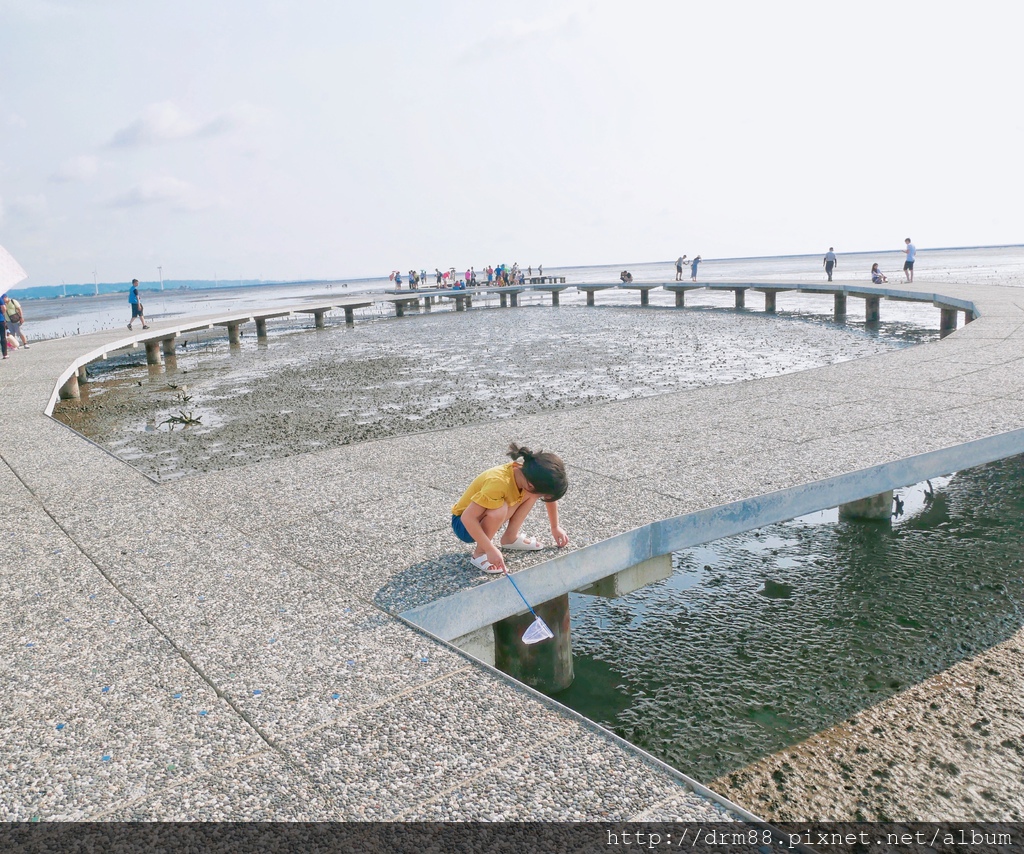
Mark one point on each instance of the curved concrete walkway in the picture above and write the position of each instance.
(209, 649)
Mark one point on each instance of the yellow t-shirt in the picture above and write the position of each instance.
(491, 489)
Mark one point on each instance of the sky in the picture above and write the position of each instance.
(329, 139)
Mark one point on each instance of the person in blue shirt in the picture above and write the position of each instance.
(136, 304)
(693, 268)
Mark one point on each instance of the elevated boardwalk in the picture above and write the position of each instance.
(219, 648)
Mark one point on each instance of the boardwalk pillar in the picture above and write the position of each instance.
(546, 666)
(769, 301)
(469, 300)
(680, 298)
(69, 391)
(645, 296)
(460, 303)
(968, 316)
(83, 377)
(503, 299)
(153, 356)
(399, 309)
(554, 298)
(741, 297)
(350, 316)
(167, 345)
(590, 298)
(261, 328)
(839, 308)
(876, 507)
(318, 319)
(947, 323)
(427, 303)
(871, 312)
(514, 297)
(234, 339)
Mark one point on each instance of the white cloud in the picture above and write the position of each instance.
(80, 168)
(508, 36)
(164, 122)
(164, 191)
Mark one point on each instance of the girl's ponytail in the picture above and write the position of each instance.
(544, 471)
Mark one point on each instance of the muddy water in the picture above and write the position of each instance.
(759, 641)
(305, 391)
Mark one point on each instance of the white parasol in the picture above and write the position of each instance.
(11, 271)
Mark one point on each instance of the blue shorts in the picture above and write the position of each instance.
(460, 530)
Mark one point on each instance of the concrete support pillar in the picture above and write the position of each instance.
(514, 297)
(875, 507)
(839, 308)
(69, 391)
(318, 319)
(554, 298)
(947, 322)
(234, 338)
(769, 301)
(645, 296)
(460, 303)
(590, 298)
(741, 297)
(350, 316)
(399, 309)
(153, 355)
(83, 377)
(871, 309)
(167, 345)
(503, 299)
(968, 316)
(427, 303)
(680, 299)
(261, 328)
(546, 666)
(469, 300)
(632, 578)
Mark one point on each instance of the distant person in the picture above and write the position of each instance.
(414, 280)
(438, 274)
(540, 270)
(830, 262)
(680, 262)
(877, 276)
(11, 310)
(626, 277)
(505, 495)
(908, 265)
(529, 270)
(693, 268)
(423, 277)
(398, 279)
(136, 303)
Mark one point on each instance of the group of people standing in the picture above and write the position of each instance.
(12, 336)
(830, 262)
(681, 262)
(502, 275)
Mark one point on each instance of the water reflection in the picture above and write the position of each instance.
(761, 640)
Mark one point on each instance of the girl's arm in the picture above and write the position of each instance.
(561, 538)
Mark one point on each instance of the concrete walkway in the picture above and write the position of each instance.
(215, 648)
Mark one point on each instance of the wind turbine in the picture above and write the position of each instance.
(161, 269)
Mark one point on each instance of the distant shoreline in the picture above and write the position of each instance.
(178, 285)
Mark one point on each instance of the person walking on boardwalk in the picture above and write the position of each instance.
(693, 268)
(908, 265)
(680, 263)
(830, 262)
(10, 308)
(136, 303)
(504, 495)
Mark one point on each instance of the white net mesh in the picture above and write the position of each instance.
(537, 632)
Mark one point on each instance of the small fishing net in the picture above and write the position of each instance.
(537, 632)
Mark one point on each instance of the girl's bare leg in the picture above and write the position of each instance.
(515, 522)
(491, 522)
